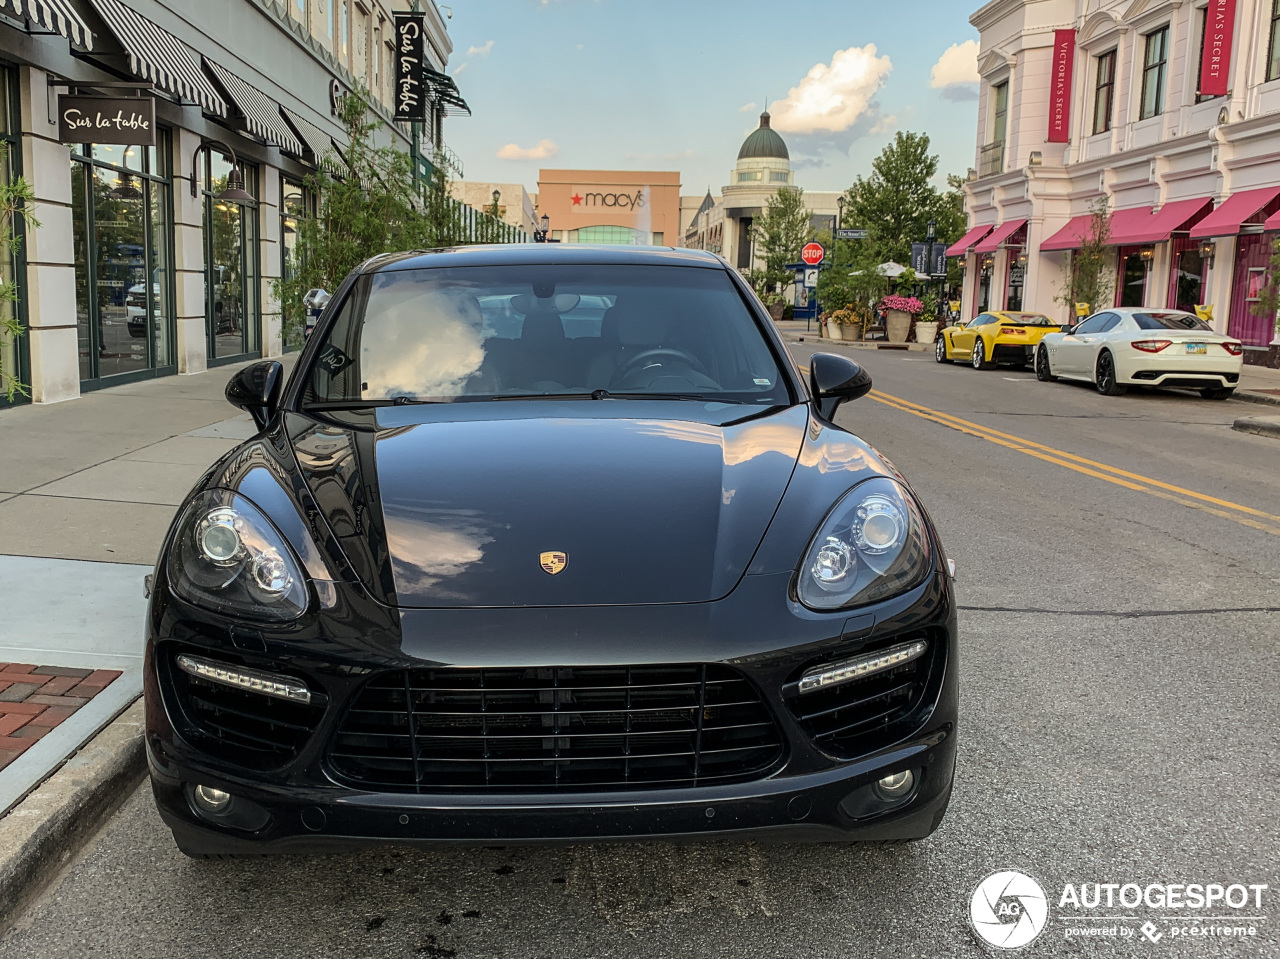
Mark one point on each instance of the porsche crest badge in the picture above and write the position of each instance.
(554, 562)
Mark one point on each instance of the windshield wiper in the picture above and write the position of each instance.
(367, 404)
(698, 397)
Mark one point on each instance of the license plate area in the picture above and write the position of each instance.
(1197, 347)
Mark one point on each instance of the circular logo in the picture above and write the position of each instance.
(1008, 909)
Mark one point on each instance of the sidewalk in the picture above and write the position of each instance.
(87, 490)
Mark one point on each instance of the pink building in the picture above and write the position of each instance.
(1167, 109)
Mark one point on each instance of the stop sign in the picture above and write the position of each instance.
(813, 253)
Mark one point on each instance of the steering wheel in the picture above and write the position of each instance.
(648, 356)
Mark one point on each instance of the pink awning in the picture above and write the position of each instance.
(1237, 210)
(1070, 237)
(999, 235)
(1139, 226)
(1273, 222)
(961, 246)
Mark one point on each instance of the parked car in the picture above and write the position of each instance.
(1132, 346)
(474, 587)
(993, 337)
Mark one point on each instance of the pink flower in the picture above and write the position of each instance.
(907, 304)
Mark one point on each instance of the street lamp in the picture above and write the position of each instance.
(540, 236)
(840, 202)
(235, 191)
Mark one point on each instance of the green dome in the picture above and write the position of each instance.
(764, 143)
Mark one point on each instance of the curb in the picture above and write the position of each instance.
(1262, 398)
(1262, 425)
(857, 344)
(43, 832)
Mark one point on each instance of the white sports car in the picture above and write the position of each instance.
(1132, 346)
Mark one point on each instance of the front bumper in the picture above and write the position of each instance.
(814, 792)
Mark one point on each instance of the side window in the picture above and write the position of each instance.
(982, 319)
(1113, 319)
(1093, 324)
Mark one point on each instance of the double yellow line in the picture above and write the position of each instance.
(1245, 515)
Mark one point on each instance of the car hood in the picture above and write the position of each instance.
(458, 509)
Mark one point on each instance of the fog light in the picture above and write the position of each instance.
(254, 680)
(896, 786)
(860, 667)
(210, 799)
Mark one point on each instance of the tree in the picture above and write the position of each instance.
(897, 201)
(16, 196)
(780, 234)
(1089, 271)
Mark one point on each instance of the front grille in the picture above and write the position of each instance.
(245, 727)
(866, 713)
(615, 727)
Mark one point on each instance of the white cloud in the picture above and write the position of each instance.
(747, 107)
(957, 67)
(884, 124)
(832, 98)
(460, 67)
(541, 151)
(480, 51)
(580, 46)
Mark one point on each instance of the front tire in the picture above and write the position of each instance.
(1044, 372)
(1105, 376)
(940, 350)
(1217, 392)
(979, 358)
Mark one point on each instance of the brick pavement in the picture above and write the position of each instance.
(36, 699)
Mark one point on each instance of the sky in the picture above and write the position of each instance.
(668, 85)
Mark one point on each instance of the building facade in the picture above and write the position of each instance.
(1167, 110)
(611, 206)
(724, 225)
(144, 263)
(516, 207)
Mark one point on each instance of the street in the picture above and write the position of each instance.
(1118, 568)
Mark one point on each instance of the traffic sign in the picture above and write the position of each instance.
(813, 253)
(850, 234)
(811, 278)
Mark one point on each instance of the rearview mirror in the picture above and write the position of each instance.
(835, 380)
(256, 390)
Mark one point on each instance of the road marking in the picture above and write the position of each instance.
(1266, 522)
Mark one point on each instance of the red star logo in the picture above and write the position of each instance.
(577, 199)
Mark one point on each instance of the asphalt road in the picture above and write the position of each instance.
(1120, 693)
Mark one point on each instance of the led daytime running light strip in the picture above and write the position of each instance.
(268, 684)
(860, 667)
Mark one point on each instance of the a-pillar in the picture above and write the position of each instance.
(52, 330)
(188, 249)
(270, 260)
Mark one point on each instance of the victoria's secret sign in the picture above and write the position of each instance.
(1215, 55)
(1064, 55)
(125, 120)
(410, 77)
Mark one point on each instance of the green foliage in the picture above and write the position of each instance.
(1269, 296)
(378, 205)
(853, 282)
(930, 312)
(16, 196)
(897, 201)
(780, 233)
(1090, 270)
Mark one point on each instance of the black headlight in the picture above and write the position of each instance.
(872, 545)
(228, 557)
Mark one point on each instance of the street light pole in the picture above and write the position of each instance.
(540, 236)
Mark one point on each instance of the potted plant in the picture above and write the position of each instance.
(776, 304)
(927, 325)
(901, 311)
(837, 320)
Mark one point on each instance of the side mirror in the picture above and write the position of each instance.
(1066, 329)
(835, 380)
(256, 389)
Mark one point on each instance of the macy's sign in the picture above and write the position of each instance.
(621, 201)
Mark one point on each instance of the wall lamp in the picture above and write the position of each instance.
(1035, 159)
(1147, 254)
(235, 191)
(1207, 250)
(1022, 258)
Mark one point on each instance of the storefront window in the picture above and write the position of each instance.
(12, 265)
(607, 234)
(122, 231)
(231, 266)
(1187, 282)
(1133, 278)
(985, 268)
(296, 205)
(1017, 279)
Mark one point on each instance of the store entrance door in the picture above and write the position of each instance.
(231, 271)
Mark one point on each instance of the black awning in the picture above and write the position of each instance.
(262, 115)
(317, 146)
(445, 93)
(159, 56)
(56, 15)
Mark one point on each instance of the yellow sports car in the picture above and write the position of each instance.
(994, 337)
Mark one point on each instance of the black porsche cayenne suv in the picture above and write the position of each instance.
(549, 543)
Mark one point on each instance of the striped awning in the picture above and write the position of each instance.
(261, 114)
(56, 15)
(317, 145)
(159, 56)
(445, 92)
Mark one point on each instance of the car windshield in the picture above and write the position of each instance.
(495, 332)
(1171, 321)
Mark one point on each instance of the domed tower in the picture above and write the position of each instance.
(764, 167)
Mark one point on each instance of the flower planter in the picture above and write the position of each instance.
(926, 332)
(777, 309)
(834, 331)
(898, 326)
